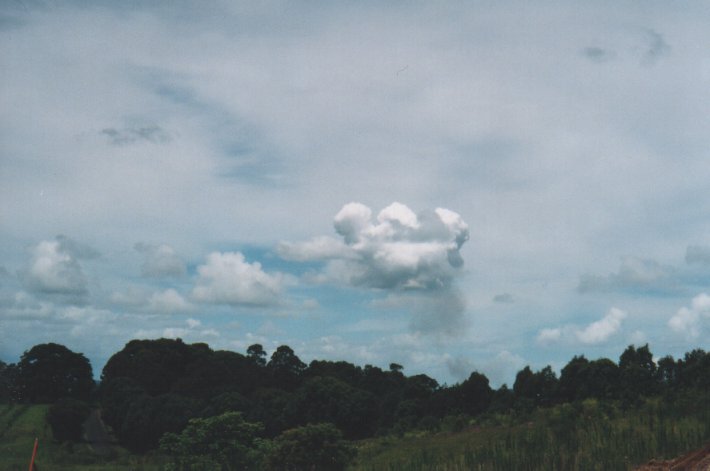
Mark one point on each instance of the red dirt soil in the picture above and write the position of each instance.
(698, 460)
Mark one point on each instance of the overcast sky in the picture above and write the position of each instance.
(452, 186)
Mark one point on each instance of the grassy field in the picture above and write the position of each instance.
(590, 436)
(21, 424)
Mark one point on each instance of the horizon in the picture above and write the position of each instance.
(449, 187)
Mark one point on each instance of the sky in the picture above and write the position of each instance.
(450, 186)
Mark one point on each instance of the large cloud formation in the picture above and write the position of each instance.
(398, 250)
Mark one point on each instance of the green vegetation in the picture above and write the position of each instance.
(175, 406)
(589, 435)
(20, 424)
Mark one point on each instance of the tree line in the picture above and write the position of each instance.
(160, 393)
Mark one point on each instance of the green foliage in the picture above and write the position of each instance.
(588, 435)
(311, 447)
(51, 371)
(155, 365)
(66, 417)
(330, 400)
(149, 417)
(224, 442)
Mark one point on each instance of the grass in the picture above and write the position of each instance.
(20, 424)
(587, 436)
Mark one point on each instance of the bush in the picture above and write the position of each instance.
(65, 417)
(319, 446)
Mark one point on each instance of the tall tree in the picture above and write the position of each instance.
(286, 368)
(50, 371)
(257, 354)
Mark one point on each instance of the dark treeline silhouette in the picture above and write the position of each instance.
(154, 387)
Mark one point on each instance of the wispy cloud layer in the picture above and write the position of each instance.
(209, 132)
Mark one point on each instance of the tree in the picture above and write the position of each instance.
(154, 364)
(286, 368)
(117, 395)
(149, 417)
(8, 380)
(352, 410)
(66, 417)
(540, 387)
(50, 371)
(475, 394)
(573, 379)
(224, 442)
(257, 354)
(312, 447)
(638, 372)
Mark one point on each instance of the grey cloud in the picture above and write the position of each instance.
(54, 270)
(598, 54)
(439, 313)
(498, 368)
(697, 254)
(635, 275)
(657, 47)
(504, 298)
(460, 367)
(160, 261)
(120, 137)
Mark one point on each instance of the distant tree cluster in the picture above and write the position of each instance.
(188, 399)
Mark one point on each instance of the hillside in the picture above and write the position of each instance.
(21, 424)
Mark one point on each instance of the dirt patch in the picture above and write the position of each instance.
(698, 460)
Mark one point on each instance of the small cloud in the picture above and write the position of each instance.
(595, 333)
(657, 47)
(192, 323)
(227, 278)
(121, 137)
(635, 275)
(503, 298)
(598, 54)
(160, 261)
(601, 330)
(697, 254)
(168, 301)
(688, 320)
(54, 269)
(547, 336)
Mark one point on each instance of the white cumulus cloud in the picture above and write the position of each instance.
(601, 330)
(688, 320)
(396, 250)
(595, 333)
(227, 278)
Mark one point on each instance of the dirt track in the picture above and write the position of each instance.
(96, 434)
(698, 460)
